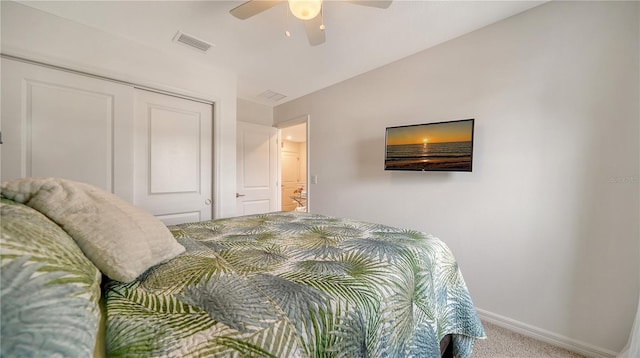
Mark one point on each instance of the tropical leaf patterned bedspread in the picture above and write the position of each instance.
(294, 285)
(49, 291)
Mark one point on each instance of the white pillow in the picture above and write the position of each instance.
(122, 240)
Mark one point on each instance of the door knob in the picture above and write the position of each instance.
(207, 202)
(239, 195)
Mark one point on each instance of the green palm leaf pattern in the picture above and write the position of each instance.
(183, 271)
(424, 344)
(144, 323)
(378, 249)
(230, 300)
(294, 299)
(365, 269)
(295, 285)
(49, 290)
(318, 241)
(354, 338)
(348, 289)
(27, 232)
(40, 318)
(258, 259)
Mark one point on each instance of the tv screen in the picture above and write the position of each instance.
(442, 146)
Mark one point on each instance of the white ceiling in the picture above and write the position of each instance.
(359, 38)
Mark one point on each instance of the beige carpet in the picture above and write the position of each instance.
(502, 343)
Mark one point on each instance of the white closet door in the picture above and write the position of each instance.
(60, 124)
(173, 157)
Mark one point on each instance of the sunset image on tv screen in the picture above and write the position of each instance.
(444, 146)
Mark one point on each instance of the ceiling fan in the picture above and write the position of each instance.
(309, 11)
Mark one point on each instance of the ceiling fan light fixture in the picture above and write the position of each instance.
(305, 9)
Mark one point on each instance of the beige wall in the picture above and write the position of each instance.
(545, 228)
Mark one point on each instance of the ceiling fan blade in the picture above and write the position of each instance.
(314, 33)
(253, 7)
(382, 4)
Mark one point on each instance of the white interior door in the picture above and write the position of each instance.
(257, 169)
(59, 124)
(172, 152)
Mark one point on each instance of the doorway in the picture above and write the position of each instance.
(294, 164)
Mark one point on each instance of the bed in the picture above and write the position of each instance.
(284, 284)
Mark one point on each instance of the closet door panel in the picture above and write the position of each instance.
(83, 121)
(173, 157)
(60, 124)
(174, 138)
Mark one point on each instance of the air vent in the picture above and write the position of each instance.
(271, 96)
(192, 42)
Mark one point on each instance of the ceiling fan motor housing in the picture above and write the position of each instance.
(305, 9)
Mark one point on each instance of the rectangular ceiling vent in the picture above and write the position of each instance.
(192, 42)
(269, 95)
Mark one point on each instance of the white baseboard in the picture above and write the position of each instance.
(540, 334)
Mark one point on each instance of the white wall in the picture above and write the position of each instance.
(39, 36)
(252, 112)
(545, 228)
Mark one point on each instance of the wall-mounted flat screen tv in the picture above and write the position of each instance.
(442, 146)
